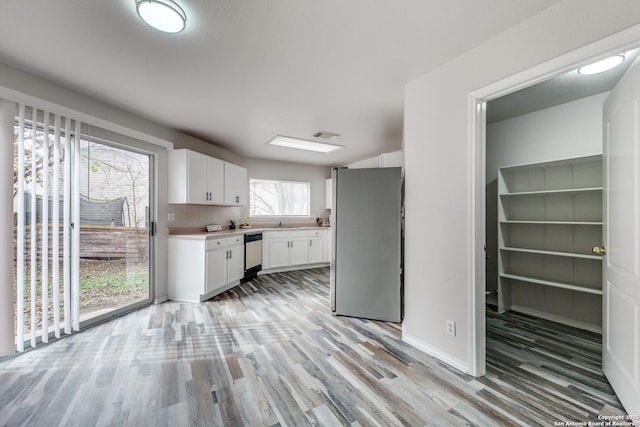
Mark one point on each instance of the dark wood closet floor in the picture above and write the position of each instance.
(269, 353)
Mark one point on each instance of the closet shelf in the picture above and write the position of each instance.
(563, 191)
(553, 284)
(553, 253)
(549, 205)
(552, 222)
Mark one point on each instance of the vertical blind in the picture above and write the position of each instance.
(46, 143)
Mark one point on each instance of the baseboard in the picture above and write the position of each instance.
(443, 357)
(160, 300)
(218, 291)
(293, 268)
(557, 319)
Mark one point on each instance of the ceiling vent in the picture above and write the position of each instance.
(326, 135)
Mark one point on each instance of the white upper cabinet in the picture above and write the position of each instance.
(198, 179)
(235, 185)
(328, 190)
(392, 160)
(215, 176)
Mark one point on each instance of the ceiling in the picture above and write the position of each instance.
(245, 70)
(558, 90)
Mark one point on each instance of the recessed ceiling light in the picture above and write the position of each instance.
(303, 144)
(163, 15)
(602, 65)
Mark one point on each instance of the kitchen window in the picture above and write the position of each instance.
(272, 198)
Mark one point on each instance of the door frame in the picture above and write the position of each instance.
(476, 131)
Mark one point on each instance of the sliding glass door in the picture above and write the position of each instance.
(115, 216)
(83, 215)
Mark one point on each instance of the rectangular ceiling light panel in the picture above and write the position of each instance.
(303, 144)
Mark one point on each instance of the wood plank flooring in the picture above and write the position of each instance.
(268, 353)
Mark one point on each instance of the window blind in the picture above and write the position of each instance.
(43, 179)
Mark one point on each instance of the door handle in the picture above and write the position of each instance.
(599, 250)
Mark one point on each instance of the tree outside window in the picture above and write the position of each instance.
(278, 198)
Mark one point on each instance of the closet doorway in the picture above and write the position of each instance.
(530, 258)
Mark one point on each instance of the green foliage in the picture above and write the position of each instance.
(98, 281)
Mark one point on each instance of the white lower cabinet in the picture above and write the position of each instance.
(216, 266)
(299, 251)
(316, 246)
(200, 269)
(287, 248)
(279, 252)
(293, 248)
(235, 262)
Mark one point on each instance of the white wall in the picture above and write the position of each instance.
(569, 130)
(269, 169)
(439, 219)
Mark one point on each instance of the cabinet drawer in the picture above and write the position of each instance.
(235, 240)
(213, 244)
(298, 233)
(316, 233)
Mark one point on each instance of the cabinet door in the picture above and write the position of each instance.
(327, 246)
(197, 178)
(235, 185)
(215, 181)
(328, 193)
(299, 251)
(235, 264)
(279, 253)
(216, 266)
(316, 249)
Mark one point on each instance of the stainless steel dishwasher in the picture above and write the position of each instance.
(252, 255)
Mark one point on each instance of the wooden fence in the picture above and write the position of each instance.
(97, 242)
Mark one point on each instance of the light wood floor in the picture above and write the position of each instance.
(269, 353)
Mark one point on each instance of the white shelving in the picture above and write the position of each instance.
(550, 216)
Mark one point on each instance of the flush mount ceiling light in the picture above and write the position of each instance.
(602, 65)
(303, 144)
(163, 15)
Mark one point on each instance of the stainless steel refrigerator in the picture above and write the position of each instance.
(366, 257)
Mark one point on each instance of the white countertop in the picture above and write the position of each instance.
(240, 231)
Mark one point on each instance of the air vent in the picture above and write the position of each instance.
(326, 135)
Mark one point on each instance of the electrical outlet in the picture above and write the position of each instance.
(203, 216)
(451, 328)
(171, 216)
